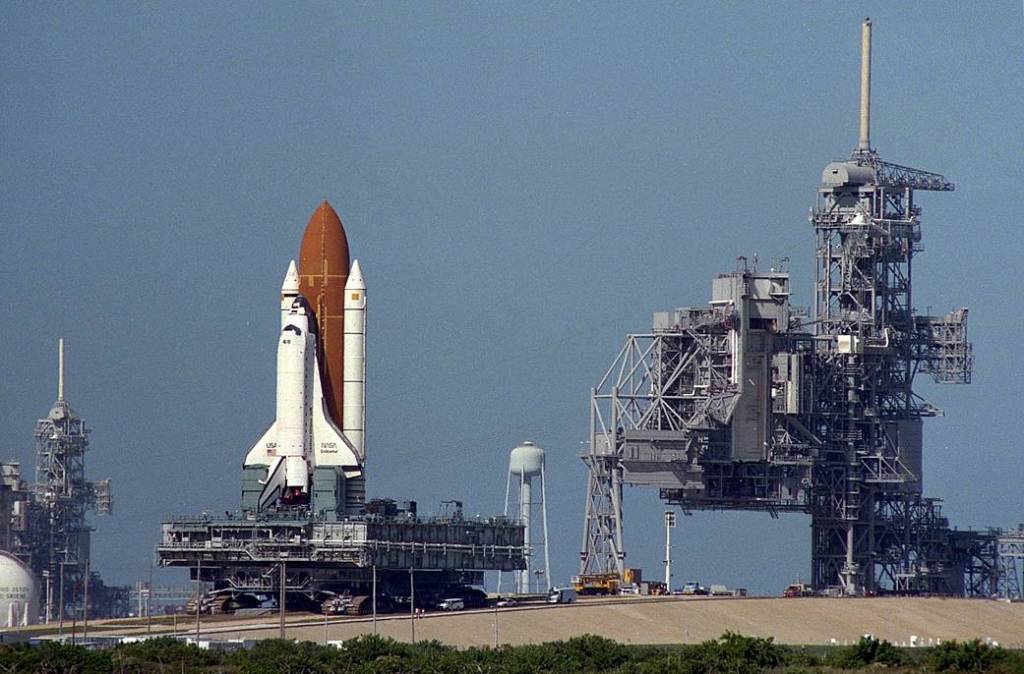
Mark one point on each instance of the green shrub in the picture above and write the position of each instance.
(280, 656)
(165, 651)
(593, 653)
(968, 656)
(369, 647)
(732, 653)
(383, 664)
(55, 658)
(868, 651)
(763, 653)
(533, 658)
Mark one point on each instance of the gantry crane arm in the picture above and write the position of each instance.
(888, 174)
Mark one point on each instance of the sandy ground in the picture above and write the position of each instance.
(675, 620)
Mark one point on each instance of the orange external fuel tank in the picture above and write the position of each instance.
(323, 271)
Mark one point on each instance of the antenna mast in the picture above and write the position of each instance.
(864, 143)
(60, 369)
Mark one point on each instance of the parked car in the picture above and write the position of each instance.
(453, 604)
(506, 602)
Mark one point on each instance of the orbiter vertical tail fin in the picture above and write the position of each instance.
(261, 453)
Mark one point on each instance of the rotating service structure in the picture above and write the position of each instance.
(751, 404)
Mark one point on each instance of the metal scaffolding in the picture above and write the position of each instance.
(869, 347)
(239, 555)
(1011, 564)
(54, 537)
(748, 405)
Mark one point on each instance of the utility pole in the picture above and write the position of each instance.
(373, 599)
(149, 599)
(48, 576)
(412, 603)
(281, 600)
(85, 604)
(199, 568)
(670, 524)
(60, 609)
(496, 621)
(74, 626)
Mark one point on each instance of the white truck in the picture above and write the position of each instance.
(562, 595)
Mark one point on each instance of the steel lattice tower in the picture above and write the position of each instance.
(748, 404)
(870, 345)
(58, 546)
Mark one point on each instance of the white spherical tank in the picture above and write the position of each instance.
(19, 592)
(527, 460)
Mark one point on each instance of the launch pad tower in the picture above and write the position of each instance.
(868, 346)
(750, 405)
(55, 539)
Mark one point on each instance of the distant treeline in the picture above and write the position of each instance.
(732, 654)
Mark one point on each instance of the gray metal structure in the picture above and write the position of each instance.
(14, 497)
(1011, 563)
(45, 522)
(239, 555)
(749, 404)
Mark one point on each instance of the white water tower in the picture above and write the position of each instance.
(525, 466)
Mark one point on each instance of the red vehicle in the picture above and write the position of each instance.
(798, 590)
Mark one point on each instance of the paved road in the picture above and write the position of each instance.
(654, 620)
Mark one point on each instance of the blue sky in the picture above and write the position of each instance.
(523, 183)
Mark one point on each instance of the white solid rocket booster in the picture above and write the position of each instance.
(353, 423)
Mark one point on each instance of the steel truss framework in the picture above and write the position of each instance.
(842, 433)
(870, 346)
(1011, 563)
(240, 555)
(52, 537)
(55, 542)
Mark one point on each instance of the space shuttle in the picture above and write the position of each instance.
(304, 458)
